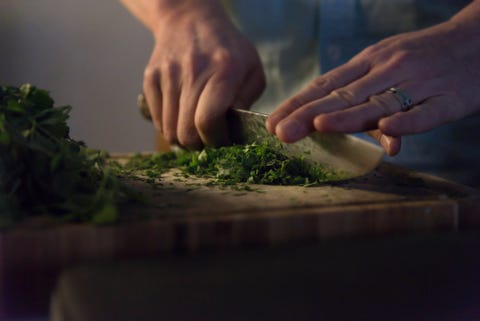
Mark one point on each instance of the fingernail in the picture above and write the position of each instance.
(271, 123)
(270, 128)
(290, 130)
(385, 142)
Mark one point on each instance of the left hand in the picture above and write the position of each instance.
(438, 68)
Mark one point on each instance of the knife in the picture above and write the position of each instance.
(347, 155)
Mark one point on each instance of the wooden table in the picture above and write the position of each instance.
(186, 216)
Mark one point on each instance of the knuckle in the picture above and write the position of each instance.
(170, 136)
(295, 102)
(371, 50)
(347, 96)
(376, 48)
(223, 57)
(188, 137)
(401, 59)
(224, 63)
(150, 76)
(323, 84)
(168, 68)
(385, 105)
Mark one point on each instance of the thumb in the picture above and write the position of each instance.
(390, 144)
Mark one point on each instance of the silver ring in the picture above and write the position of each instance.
(405, 101)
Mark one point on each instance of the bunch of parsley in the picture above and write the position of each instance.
(43, 170)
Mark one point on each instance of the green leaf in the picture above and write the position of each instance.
(15, 106)
(44, 171)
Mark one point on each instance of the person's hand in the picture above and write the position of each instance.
(200, 66)
(437, 68)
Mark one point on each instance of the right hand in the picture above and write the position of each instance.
(201, 65)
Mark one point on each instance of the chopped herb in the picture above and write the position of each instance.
(236, 166)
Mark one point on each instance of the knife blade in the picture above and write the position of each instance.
(347, 155)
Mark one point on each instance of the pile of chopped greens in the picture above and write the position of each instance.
(43, 170)
(233, 165)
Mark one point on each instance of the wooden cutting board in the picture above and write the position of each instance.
(185, 215)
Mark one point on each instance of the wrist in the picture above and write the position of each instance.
(167, 11)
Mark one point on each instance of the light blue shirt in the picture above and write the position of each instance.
(299, 39)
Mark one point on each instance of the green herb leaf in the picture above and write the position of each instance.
(44, 171)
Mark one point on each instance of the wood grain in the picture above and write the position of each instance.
(187, 216)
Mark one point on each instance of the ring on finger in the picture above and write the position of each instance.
(405, 101)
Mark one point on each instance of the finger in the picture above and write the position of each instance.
(390, 144)
(299, 123)
(153, 95)
(430, 114)
(251, 89)
(366, 115)
(187, 133)
(317, 89)
(210, 116)
(170, 102)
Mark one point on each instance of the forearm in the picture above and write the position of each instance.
(150, 12)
